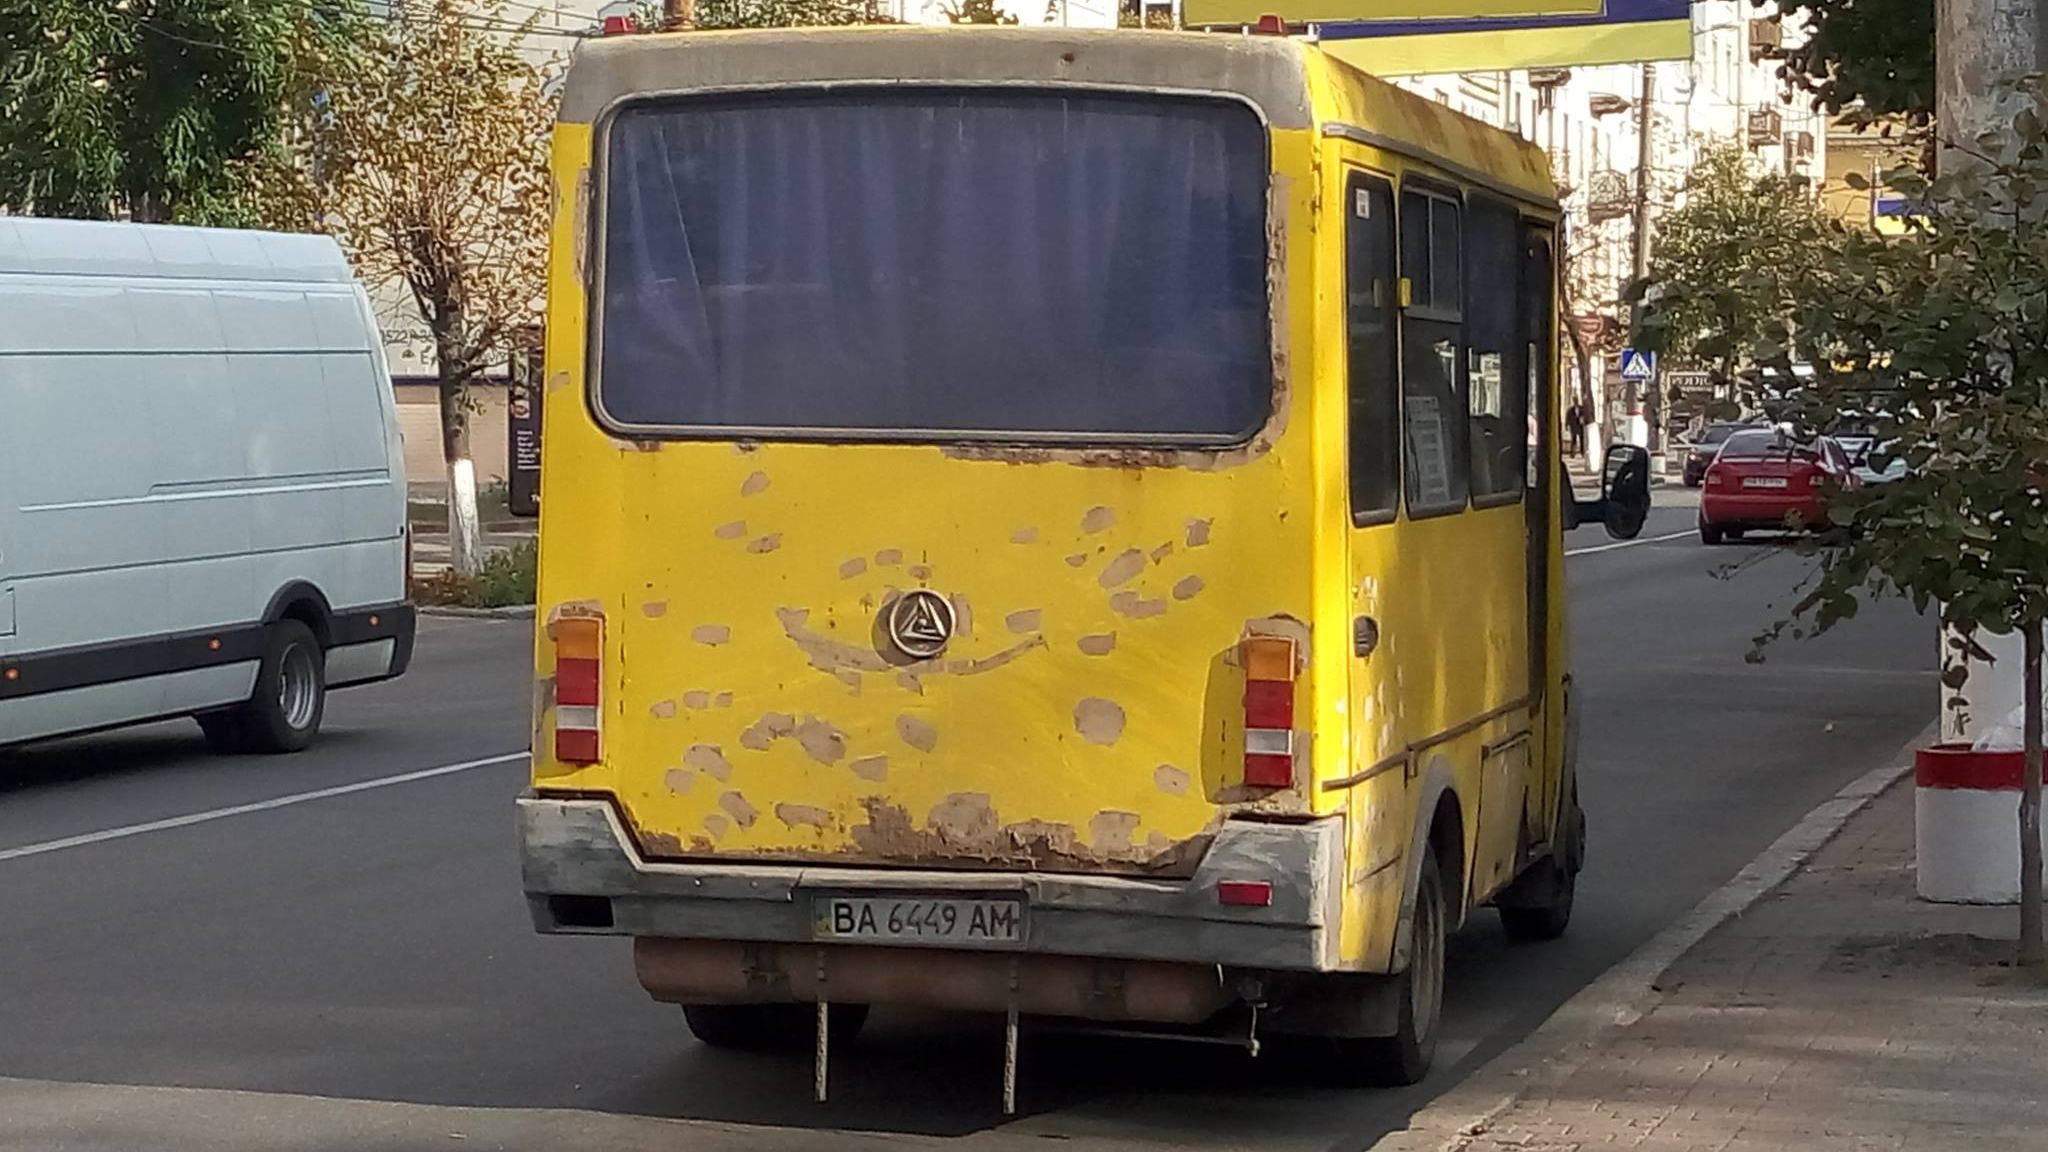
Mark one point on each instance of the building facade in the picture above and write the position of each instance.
(1590, 121)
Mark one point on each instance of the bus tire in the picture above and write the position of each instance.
(770, 1027)
(1539, 904)
(1404, 1057)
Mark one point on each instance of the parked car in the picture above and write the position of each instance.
(1867, 469)
(202, 491)
(1700, 452)
(1762, 479)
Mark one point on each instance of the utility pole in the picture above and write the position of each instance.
(1980, 48)
(1653, 407)
(678, 15)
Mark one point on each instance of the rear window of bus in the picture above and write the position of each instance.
(935, 264)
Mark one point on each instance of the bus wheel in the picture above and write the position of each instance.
(1404, 1057)
(759, 1027)
(1539, 905)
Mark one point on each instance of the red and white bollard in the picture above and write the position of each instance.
(1966, 824)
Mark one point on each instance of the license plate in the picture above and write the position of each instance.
(1763, 482)
(934, 921)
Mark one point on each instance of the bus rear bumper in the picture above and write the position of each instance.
(704, 924)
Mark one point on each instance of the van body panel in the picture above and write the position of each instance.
(194, 421)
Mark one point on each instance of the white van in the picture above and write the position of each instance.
(202, 494)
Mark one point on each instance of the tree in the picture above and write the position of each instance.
(151, 109)
(1870, 58)
(1948, 326)
(978, 12)
(1726, 262)
(712, 15)
(435, 177)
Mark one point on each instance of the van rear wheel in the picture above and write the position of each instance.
(283, 714)
(770, 1027)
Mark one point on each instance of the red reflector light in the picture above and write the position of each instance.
(1270, 25)
(576, 682)
(1268, 704)
(1268, 770)
(576, 745)
(1244, 893)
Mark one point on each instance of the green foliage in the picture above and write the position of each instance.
(504, 580)
(713, 15)
(1725, 264)
(156, 109)
(1872, 58)
(1941, 334)
(978, 12)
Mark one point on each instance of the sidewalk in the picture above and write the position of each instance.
(1839, 1014)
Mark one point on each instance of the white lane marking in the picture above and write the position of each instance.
(122, 833)
(1629, 543)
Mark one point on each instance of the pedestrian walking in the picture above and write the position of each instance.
(1575, 426)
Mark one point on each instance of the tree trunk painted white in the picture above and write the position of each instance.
(465, 534)
(2033, 950)
(1980, 48)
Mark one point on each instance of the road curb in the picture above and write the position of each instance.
(1626, 992)
(515, 612)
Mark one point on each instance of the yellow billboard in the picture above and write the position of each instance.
(1420, 37)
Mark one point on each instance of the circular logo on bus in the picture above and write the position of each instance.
(920, 623)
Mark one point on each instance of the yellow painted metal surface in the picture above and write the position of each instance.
(1088, 714)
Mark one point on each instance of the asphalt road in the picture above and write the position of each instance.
(356, 969)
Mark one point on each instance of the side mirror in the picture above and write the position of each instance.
(1625, 491)
(1624, 502)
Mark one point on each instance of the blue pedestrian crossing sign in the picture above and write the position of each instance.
(1638, 365)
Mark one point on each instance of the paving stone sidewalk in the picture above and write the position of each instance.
(1839, 1013)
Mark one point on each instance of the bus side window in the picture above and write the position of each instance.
(1373, 353)
(1432, 362)
(1497, 400)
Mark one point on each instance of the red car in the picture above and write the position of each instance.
(1761, 479)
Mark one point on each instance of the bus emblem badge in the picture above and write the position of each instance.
(920, 623)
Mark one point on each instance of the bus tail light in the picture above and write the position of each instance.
(1269, 712)
(579, 653)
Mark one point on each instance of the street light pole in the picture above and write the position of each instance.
(1653, 408)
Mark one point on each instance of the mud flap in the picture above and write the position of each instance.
(1339, 1004)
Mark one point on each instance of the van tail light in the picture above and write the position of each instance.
(579, 654)
(407, 533)
(1269, 712)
